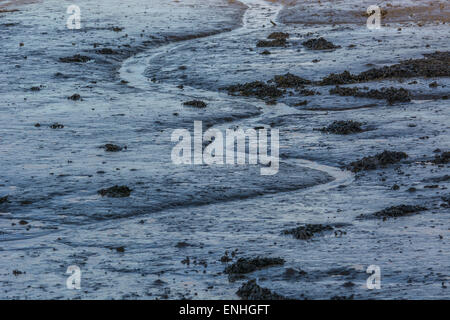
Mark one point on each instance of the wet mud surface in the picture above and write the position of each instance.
(159, 231)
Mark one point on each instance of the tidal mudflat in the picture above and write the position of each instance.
(86, 118)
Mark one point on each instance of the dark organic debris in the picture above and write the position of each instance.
(395, 212)
(379, 160)
(115, 192)
(247, 265)
(17, 272)
(290, 80)
(106, 51)
(433, 65)
(109, 147)
(35, 89)
(307, 231)
(3, 199)
(278, 35)
(272, 43)
(116, 29)
(390, 94)
(252, 291)
(195, 103)
(120, 249)
(257, 88)
(56, 125)
(343, 127)
(319, 44)
(74, 97)
(266, 52)
(182, 244)
(74, 59)
(442, 158)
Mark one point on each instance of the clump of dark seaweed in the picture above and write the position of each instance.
(433, 65)
(258, 89)
(57, 125)
(195, 104)
(272, 43)
(109, 147)
(278, 35)
(343, 127)
(395, 212)
(115, 192)
(442, 158)
(252, 291)
(379, 160)
(319, 44)
(290, 80)
(76, 58)
(247, 265)
(307, 231)
(390, 94)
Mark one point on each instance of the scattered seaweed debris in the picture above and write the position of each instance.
(391, 94)
(57, 125)
(115, 192)
(3, 199)
(109, 147)
(394, 212)
(195, 104)
(433, 65)
(343, 127)
(278, 35)
(289, 80)
(379, 160)
(74, 97)
(247, 265)
(319, 44)
(106, 51)
(442, 158)
(258, 89)
(266, 52)
(272, 43)
(252, 291)
(307, 231)
(75, 59)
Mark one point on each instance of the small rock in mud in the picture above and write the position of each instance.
(390, 94)
(395, 212)
(115, 192)
(266, 52)
(343, 127)
(278, 35)
(195, 104)
(319, 44)
(3, 199)
(442, 158)
(379, 160)
(247, 265)
(258, 89)
(109, 147)
(252, 291)
(75, 59)
(35, 89)
(74, 97)
(57, 125)
(307, 231)
(23, 222)
(289, 80)
(271, 43)
(106, 51)
(120, 249)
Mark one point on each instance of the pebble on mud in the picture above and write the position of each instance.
(343, 127)
(379, 160)
(247, 265)
(307, 231)
(115, 192)
(252, 291)
(74, 97)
